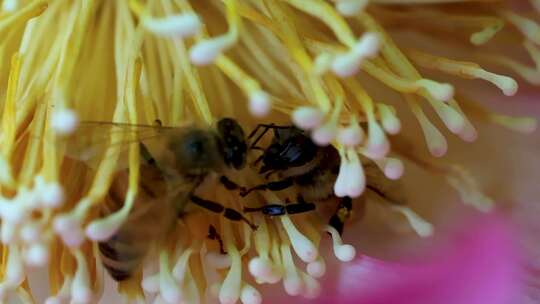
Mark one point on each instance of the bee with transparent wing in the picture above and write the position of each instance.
(174, 162)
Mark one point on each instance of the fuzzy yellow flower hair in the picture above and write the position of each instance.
(345, 70)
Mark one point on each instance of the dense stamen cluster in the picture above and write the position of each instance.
(323, 64)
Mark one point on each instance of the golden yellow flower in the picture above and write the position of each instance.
(345, 70)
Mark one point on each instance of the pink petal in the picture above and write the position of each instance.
(479, 264)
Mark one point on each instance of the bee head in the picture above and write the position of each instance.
(290, 147)
(232, 141)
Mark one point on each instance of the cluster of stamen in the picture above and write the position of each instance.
(136, 61)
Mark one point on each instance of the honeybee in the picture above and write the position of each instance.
(298, 161)
(167, 184)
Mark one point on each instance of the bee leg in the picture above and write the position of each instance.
(266, 127)
(229, 184)
(343, 212)
(277, 210)
(272, 186)
(146, 156)
(215, 207)
(214, 235)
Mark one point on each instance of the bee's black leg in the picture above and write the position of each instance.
(214, 235)
(272, 186)
(229, 184)
(342, 213)
(146, 156)
(277, 210)
(215, 207)
(266, 127)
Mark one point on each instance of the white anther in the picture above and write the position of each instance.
(348, 64)
(37, 255)
(377, 144)
(231, 288)
(104, 228)
(351, 8)
(303, 247)
(30, 233)
(218, 261)
(14, 273)
(293, 285)
(356, 179)
(151, 283)
(250, 295)
(392, 167)
(80, 288)
(340, 185)
(322, 63)
(307, 118)
(259, 103)
(323, 136)
(9, 5)
(64, 121)
(351, 136)
(181, 267)
(206, 51)
(389, 120)
(317, 268)
(344, 252)
(8, 232)
(52, 195)
(439, 91)
(181, 26)
(12, 212)
(419, 225)
(312, 287)
(69, 228)
(263, 269)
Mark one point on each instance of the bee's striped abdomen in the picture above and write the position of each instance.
(148, 222)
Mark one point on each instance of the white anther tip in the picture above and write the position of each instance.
(171, 295)
(250, 295)
(445, 92)
(9, 6)
(259, 104)
(316, 269)
(37, 255)
(345, 253)
(293, 286)
(368, 46)
(351, 136)
(96, 231)
(64, 121)
(324, 135)
(81, 294)
(52, 195)
(204, 52)
(438, 150)
(307, 118)
(64, 223)
(346, 65)
(30, 233)
(259, 267)
(151, 283)
(392, 125)
(183, 25)
(350, 8)
(53, 300)
(312, 288)
(393, 169)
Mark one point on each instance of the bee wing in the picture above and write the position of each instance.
(91, 141)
